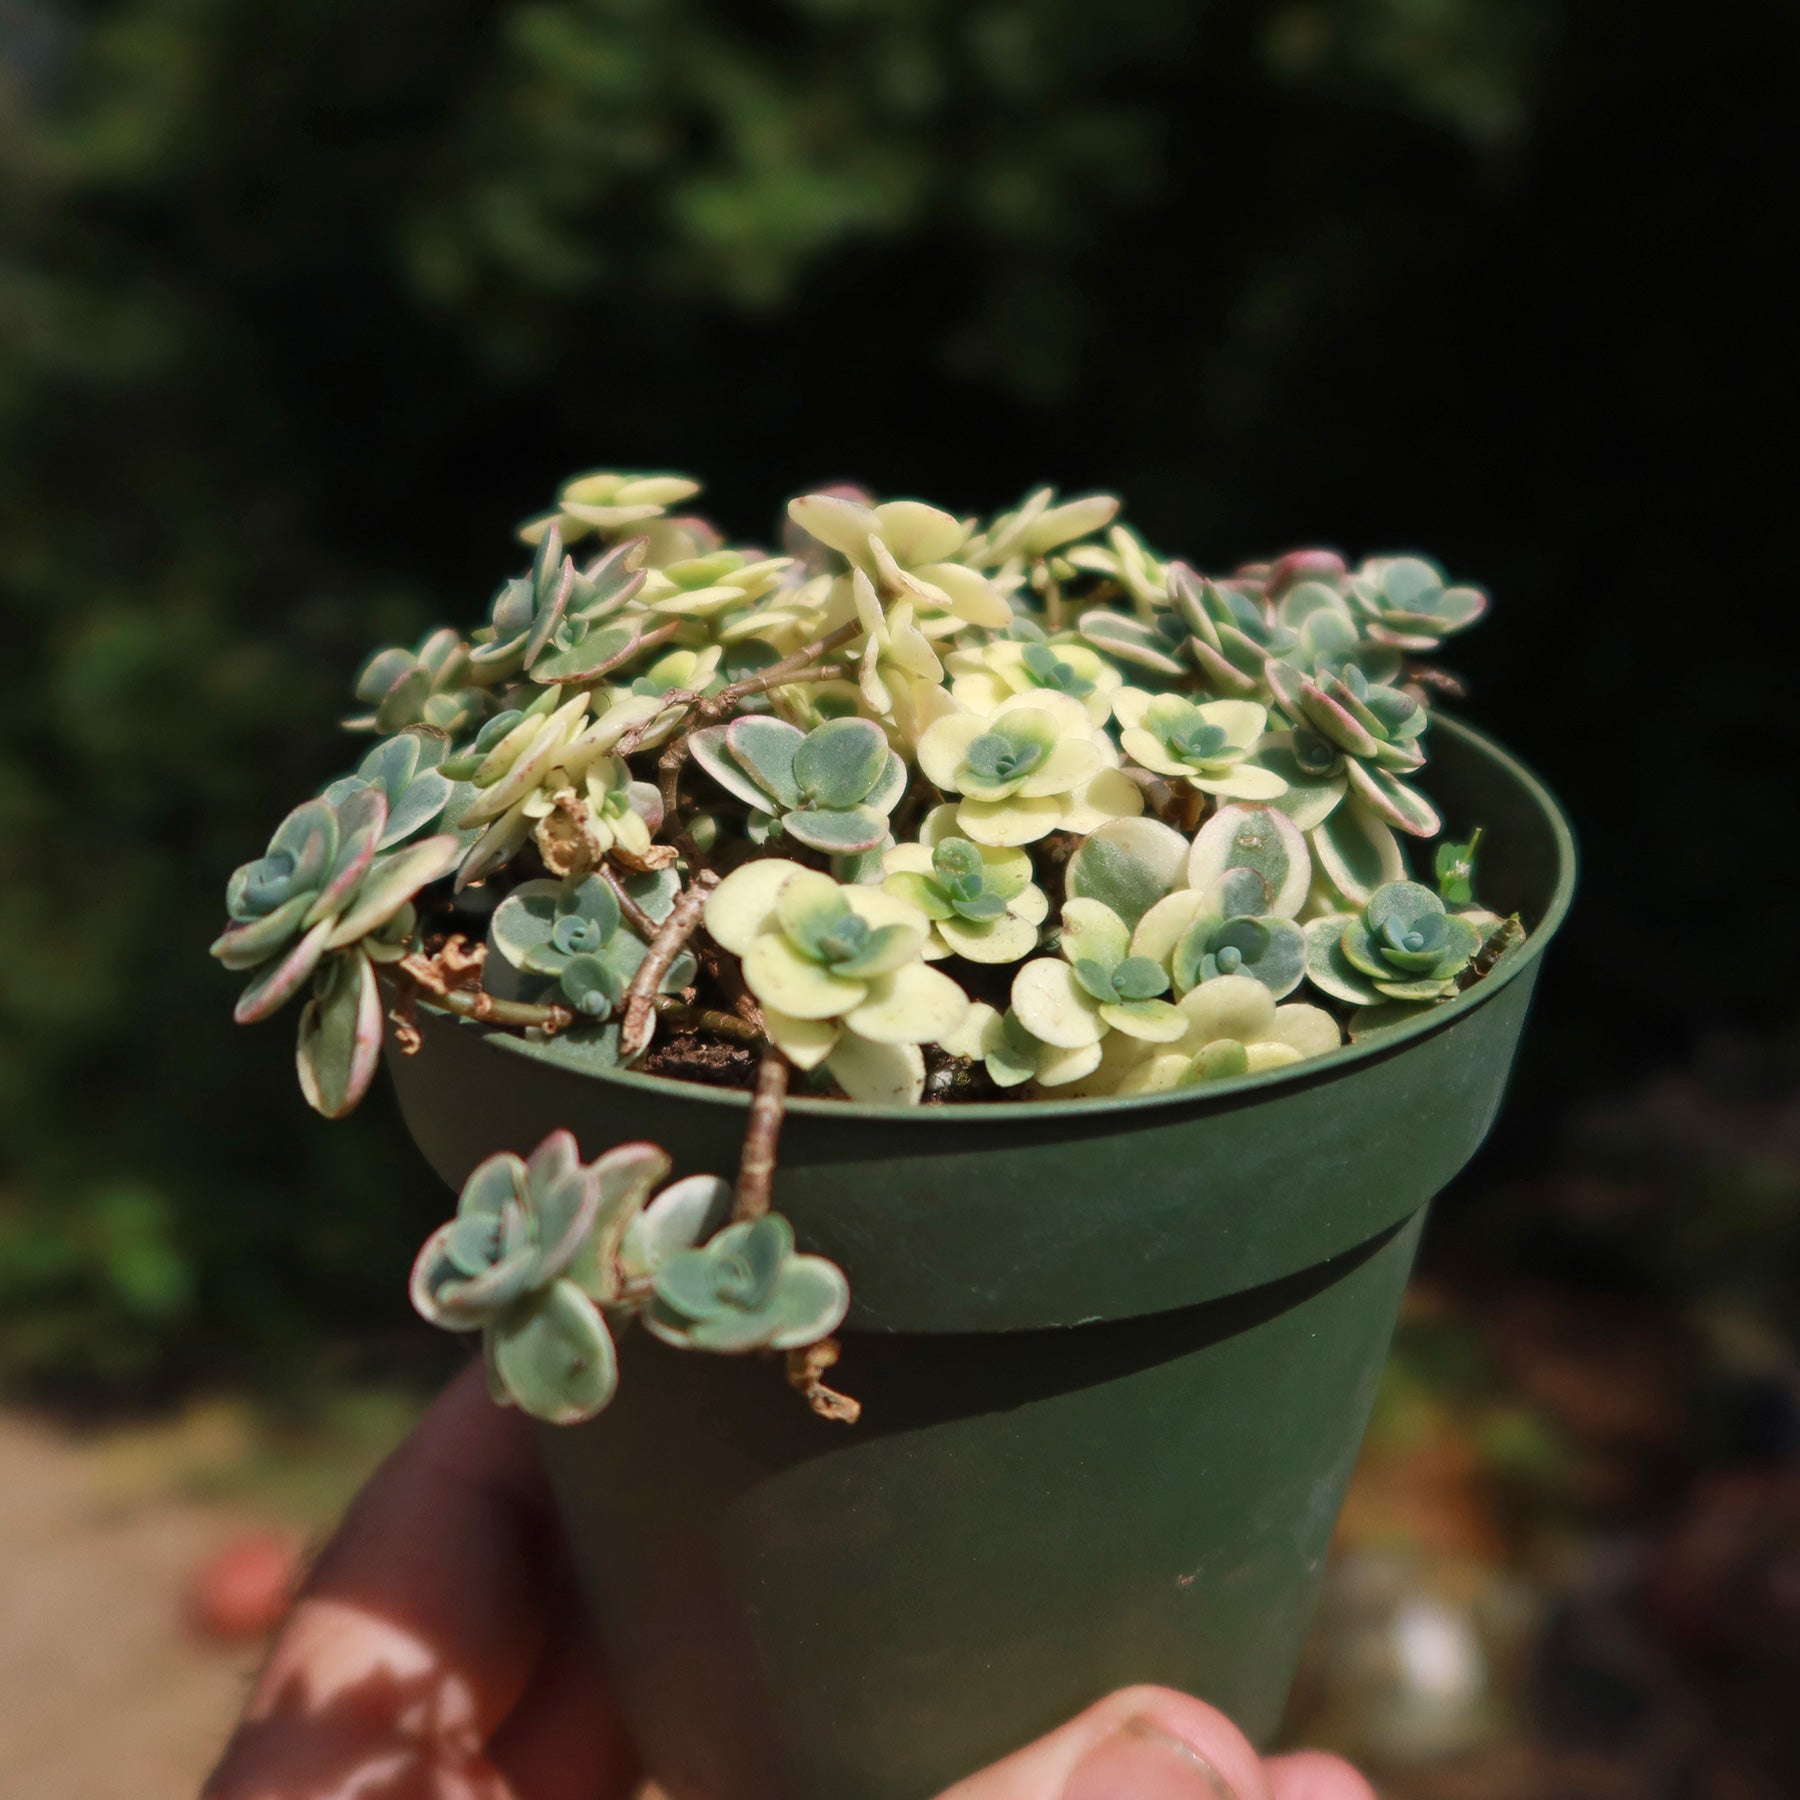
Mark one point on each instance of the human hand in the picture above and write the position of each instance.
(437, 1653)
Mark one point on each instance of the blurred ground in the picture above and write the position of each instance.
(104, 1695)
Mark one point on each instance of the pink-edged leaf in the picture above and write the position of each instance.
(362, 817)
(391, 883)
(280, 981)
(1390, 799)
(247, 946)
(1336, 721)
(340, 1038)
(707, 747)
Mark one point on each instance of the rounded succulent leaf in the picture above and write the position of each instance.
(554, 1356)
(1257, 837)
(843, 831)
(1127, 865)
(765, 749)
(1050, 1002)
(1357, 851)
(340, 1035)
(838, 765)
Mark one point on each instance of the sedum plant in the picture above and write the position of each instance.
(908, 807)
(549, 1258)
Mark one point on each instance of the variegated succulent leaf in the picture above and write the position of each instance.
(746, 1288)
(1403, 945)
(573, 934)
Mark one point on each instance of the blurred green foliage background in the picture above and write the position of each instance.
(304, 303)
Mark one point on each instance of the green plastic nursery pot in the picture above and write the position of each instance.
(1116, 1358)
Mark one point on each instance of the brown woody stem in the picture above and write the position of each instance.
(805, 1371)
(639, 920)
(475, 1003)
(797, 667)
(671, 934)
(756, 1167)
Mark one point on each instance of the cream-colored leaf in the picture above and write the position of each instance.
(1148, 752)
(1057, 1066)
(982, 1029)
(779, 976)
(842, 525)
(1130, 704)
(1106, 795)
(1001, 940)
(1242, 781)
(1005, 823)
(1242, 721)
(1069, 764)
(804, 1042)
(1165, 925)
(913, 1005)
(917, 533)
(1157, 1074)
(1031, 904)
(1119, 1055)
(742, 907)
(943, 746)
(1154, 1021)
(908, 859)
(1091, 929)
(1229, 1006)
(878, 1074)
(971, 597)
(1068, 713)
(1310, 1030)
(1051, 1005)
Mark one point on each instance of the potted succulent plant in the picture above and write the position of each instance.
(983, 953)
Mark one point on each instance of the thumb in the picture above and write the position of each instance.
(1142, 1743)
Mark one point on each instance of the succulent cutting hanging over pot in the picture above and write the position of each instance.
(918, 809)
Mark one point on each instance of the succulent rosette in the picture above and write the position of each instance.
(1232, 1027)
(839, 974)
(611, 504)
(831, 788)
(406, 769)
(1097, 984)
(1404, 945)
(1033, 766)
(908, 551)
(436, 685)
(745, 1289)
(981, 900)
(1209, 744)
(571, 936)
(982, 677)
(1407, 602)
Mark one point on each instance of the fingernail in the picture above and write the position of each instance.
(1140, 1761)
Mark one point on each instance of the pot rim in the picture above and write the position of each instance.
(987, 1112)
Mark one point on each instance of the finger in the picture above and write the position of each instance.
(567, 1726)
(423, 1618)
(1312, 1775)
(1143, 1743)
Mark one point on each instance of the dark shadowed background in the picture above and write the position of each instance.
(303, 304)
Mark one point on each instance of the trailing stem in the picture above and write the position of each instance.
(639, 920)
(640, 998)
(425, 977)
(805, 1371)
(768, 1107)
